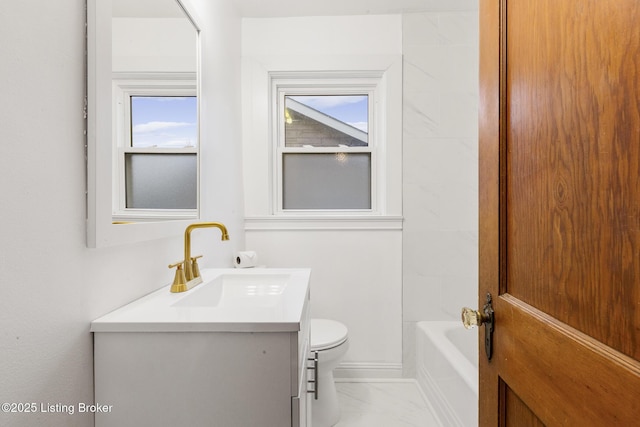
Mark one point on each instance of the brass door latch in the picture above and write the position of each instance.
(471, 318)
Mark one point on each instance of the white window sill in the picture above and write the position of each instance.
(325, 222)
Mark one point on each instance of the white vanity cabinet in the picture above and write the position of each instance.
(301, 402)
(198, 374)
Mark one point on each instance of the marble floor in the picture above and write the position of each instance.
(383, 404)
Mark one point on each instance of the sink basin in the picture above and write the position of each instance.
(238, 290)
(227, 300)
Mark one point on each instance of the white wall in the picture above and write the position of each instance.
(440, 184)
(356, 273)
(51, 285)
(153, 44)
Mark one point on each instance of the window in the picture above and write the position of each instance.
(156, 149)
(326, 144)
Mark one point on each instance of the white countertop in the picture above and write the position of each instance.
(250, 300)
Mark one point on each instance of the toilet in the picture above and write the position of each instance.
(329, 339)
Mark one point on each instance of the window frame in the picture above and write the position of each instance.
(125, 86)
(304, 83)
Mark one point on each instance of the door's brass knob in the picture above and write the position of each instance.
(471, 318)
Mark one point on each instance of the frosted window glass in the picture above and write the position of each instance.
(327, 181)
(161, 181)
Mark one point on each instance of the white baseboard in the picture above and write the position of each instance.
(368, 370)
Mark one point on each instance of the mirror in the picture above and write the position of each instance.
(142, 120)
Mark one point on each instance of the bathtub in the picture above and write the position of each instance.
(447, 370)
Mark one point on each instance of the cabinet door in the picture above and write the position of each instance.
(308, 398)
(301, 404)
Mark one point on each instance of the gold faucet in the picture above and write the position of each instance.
(187, 272)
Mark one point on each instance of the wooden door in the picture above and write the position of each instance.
(560, 211)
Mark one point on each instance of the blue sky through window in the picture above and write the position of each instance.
(350, 109)
(164, 121)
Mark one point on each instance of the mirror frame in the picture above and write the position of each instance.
(101, 232)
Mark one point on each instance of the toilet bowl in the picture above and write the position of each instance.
(329, 340)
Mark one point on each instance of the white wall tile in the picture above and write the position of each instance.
(421, 114)
(457, 292)
(459, 115)
(440, 171)
(458, 28)
(422, 300)
(420, 28)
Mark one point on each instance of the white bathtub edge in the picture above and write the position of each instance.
(453, 380)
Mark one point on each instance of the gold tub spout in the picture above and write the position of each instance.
(191, 272)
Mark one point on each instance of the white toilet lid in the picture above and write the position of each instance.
(327, 334)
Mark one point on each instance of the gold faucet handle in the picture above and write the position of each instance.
(178, 264)
(179, 281)
(194, 266)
